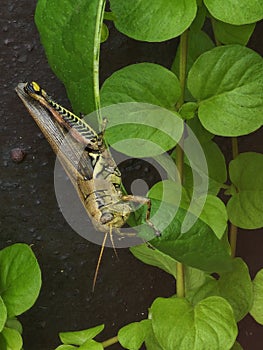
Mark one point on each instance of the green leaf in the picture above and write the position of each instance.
(228, 83)
(151, 256)
(214, 214)
(257, 307)
(245, 208)
(236, 346)
(91, 345)
(10, 339)
(3, 314)
(133, 335)
(150, 341)
(15, 324)
(142, 82)
(104, 33)
(235, 286)
(198, 247)
(66, 347)
(236, 12)
(200, 132)
(153, 21)
(199, 20)
(80, 337)
(198, 43)
(70, 32)
(20, 278)
(229, 34)
(147, 129)
(179, 325)
(213, 211)
(216, 169)
(194, 279)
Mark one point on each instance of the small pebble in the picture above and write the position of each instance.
(17, 155)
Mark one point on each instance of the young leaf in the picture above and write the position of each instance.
(179, 325)
(15, 324)
(132, 336)
(153, 21)
(187, 111)
(155, 257)
(228, 83)
(257, 308)
(236, 346)
(3, 314)
(70, 32)
(245, 208)
(229, 34)
(235, 286)
(20, 278)
(80, 337)
(236, 12)
(10, 339)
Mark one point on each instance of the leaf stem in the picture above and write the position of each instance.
(109, 342)
(233, 228)
(180, 285)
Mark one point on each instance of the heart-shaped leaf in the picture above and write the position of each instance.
(227, 82)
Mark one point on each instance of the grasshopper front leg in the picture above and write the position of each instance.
(143, 201)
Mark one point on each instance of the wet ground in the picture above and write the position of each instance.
(30, 214)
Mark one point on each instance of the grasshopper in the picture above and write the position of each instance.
(86, 160)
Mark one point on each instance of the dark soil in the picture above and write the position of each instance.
(29, 211)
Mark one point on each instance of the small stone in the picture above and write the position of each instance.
(17, 155)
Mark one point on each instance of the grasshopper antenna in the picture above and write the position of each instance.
(99, 262)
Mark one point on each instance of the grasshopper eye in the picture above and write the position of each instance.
(106, 217)
(33, 89)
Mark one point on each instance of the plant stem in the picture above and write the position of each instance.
(109, 342)
(182, 69)
(233, 228)
(180, 285)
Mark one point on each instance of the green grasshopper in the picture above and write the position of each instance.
(86, 160)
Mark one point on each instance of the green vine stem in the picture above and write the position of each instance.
(109, 342)
(233, 228)
(180, 285)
